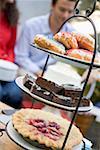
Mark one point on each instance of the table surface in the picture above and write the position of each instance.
(5, 142)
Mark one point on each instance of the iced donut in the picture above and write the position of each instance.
(49, 44)
(84, 41)
(82, 55)
(66, 39)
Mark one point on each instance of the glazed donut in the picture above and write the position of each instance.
(84, 41)
(66, 39)
(82, 55)
(49, 44)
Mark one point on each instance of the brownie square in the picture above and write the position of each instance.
(42, 93)
(84, 102)
(66, 101)
(70, 102)
(28, 81)
(71, 91)
(49, 85)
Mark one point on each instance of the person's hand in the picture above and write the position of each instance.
(39, 73)
(94, 76)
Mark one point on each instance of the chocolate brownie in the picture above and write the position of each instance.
(49, 85)
(60, 99)
(42, 93)
(28, 81)
(70, 102)
(84, 102)
(71, 90)
(67, 95)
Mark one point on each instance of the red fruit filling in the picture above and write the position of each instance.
(50, 129)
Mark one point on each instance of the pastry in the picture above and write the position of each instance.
(78, 53)
(71, 91)
(65, 90)
(69, 101)
(45, 128)
(84, 102)
(45, 89)
(84, 41)
(49, 44)
(66, 39)
(63, 100)
(28, 81)
(37, 90)
(82, 55)
(49, 85)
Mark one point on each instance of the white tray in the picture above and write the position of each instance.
(67, 59)
(18, 139)
(19, 82)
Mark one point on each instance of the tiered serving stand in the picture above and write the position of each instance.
(71, 61)
(77, 62)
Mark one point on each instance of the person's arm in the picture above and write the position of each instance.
(94, 76)
(22, 49)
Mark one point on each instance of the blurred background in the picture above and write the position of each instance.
(32, 8)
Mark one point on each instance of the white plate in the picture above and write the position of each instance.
(18, 139)
(66, 59)
(19, 82)
(8, 70)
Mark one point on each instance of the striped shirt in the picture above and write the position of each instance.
(29, 58)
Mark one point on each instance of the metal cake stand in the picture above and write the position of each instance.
(88, 12)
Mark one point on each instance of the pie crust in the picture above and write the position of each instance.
(45, 128)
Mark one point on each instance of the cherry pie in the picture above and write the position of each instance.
(45, 128)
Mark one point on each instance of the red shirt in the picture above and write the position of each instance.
(7, 39)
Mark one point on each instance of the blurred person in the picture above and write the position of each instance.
(32, 59)
(94, 76)
(9, 15)
(94, 81)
